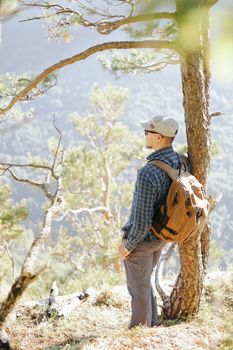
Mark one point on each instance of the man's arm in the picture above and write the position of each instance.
(145, 197)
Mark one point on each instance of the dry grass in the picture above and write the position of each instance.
(102, 324)
(217, 312)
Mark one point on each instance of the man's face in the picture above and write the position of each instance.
(152, 139)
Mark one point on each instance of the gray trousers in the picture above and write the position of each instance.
(139, 267)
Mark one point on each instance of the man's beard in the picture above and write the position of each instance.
(147, 146)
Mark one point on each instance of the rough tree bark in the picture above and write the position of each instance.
(186, 295)
(205, 28)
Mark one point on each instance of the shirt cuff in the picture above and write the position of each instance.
(129, 246)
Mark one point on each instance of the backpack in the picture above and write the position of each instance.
(186, 207)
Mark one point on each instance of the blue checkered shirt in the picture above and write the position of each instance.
(150, 191)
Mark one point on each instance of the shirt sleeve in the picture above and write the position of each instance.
(145, 197)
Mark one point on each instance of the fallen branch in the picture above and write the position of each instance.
(62, 306)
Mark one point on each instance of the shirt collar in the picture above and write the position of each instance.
(161, 152)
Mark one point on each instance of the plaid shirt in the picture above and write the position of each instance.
(151, 188)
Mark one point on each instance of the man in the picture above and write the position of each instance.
(140, 248)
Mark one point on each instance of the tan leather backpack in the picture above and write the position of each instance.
(186, 208)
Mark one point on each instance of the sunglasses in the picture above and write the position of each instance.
(151, 132)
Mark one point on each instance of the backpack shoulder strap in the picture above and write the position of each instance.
(173, 173)
(184, 162)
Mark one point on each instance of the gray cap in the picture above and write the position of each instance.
(165, 126)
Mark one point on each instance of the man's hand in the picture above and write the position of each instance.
(123, 252)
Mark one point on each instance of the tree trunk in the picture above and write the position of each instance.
(205, 236)
(186, 295)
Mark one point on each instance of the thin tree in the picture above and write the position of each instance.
(32, 268)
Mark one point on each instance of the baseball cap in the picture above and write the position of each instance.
(165, 126)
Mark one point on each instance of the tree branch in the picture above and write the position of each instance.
(56, 206)
(10, 257)
(69, 260)
(106, 27)
(149, 44)
(41, 185)
(216, 114)
(56, 151)
(211, 3)
(38, 166)
(84, 210)
(94, 145)
(107, 177)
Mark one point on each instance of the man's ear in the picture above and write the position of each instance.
(160, 138)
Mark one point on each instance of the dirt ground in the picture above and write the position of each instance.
(104, 326)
